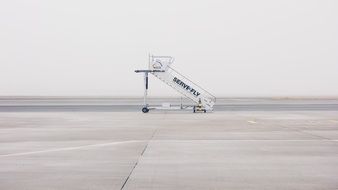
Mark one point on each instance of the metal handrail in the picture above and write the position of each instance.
(151, 59)
(212, 96)
(175, 88)
(171, 60)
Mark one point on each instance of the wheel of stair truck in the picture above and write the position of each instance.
(194, 109)
(145, 110)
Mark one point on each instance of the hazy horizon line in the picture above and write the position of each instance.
(155, 97)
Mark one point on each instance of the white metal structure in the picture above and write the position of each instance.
(160, 67)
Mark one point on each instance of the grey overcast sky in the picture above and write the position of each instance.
(231, 48)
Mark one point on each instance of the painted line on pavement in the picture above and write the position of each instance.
(70, 148)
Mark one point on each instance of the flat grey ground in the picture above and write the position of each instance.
(169, 150)
(92, 104)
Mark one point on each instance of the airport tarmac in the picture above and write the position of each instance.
(68, 104)
(129, 150)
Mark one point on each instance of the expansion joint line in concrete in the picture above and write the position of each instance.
(304, 132)
(132, 170)
(139, 158)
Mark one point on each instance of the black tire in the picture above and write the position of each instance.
(205, 111)
(145, 110)
(194, 109)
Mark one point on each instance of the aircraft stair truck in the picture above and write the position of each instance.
(160, 67)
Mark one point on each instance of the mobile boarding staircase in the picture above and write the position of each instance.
(160, 67)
